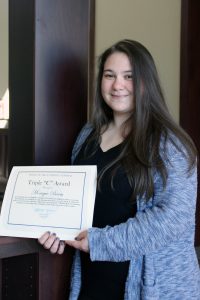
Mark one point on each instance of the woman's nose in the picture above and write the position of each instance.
(118, 83)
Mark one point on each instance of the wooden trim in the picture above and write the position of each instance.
(189, 82)
(183, 60)
(91, 66)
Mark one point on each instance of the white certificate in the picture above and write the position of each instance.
(59, 199)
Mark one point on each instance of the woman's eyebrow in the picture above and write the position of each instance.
(109, 70)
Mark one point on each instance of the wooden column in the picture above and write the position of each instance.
(51, 50)
(189, 81)
(50, 70)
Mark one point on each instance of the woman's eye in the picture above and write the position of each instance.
(109, 76)
(129, 77)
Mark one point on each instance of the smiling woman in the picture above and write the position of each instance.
(117, 85)
(141, 245)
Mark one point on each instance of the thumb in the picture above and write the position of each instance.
(81, 235)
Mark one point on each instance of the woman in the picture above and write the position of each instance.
(141, 245)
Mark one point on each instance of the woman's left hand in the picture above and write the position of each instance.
(81, 242)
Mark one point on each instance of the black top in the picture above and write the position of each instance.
(106, 280)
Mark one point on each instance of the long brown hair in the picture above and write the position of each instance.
(149, 123)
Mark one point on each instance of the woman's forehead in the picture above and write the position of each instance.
(118, 60)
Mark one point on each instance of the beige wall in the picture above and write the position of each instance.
(3, 46)
(156, 24)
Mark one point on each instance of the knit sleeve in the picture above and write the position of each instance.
(75, 284)
(171, 216)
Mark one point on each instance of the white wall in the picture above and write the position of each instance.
(3, 46)
(154, 23)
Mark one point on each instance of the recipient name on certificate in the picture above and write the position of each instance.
(58, 199)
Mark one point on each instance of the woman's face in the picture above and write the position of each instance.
(117, 84)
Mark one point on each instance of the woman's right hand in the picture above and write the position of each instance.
(52, 243)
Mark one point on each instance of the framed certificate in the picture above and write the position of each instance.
(58, 199)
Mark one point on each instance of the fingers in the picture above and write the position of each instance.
(57, 247)
(53, 248)
(44, 237)
(61, 247)
(47, 240)
(52, 243)
(74, 244)
(81, 242)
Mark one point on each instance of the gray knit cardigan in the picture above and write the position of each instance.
(158, 241)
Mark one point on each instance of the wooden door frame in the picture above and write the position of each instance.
(189, 81)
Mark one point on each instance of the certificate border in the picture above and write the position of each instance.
(48, 226)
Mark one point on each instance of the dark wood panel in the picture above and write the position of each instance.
(28, 269)
(189, 81)
(54, 279)
(21, 82)
(51, 48)
(62, 45)
(19, 277)
(50, 78)
(10, 246)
